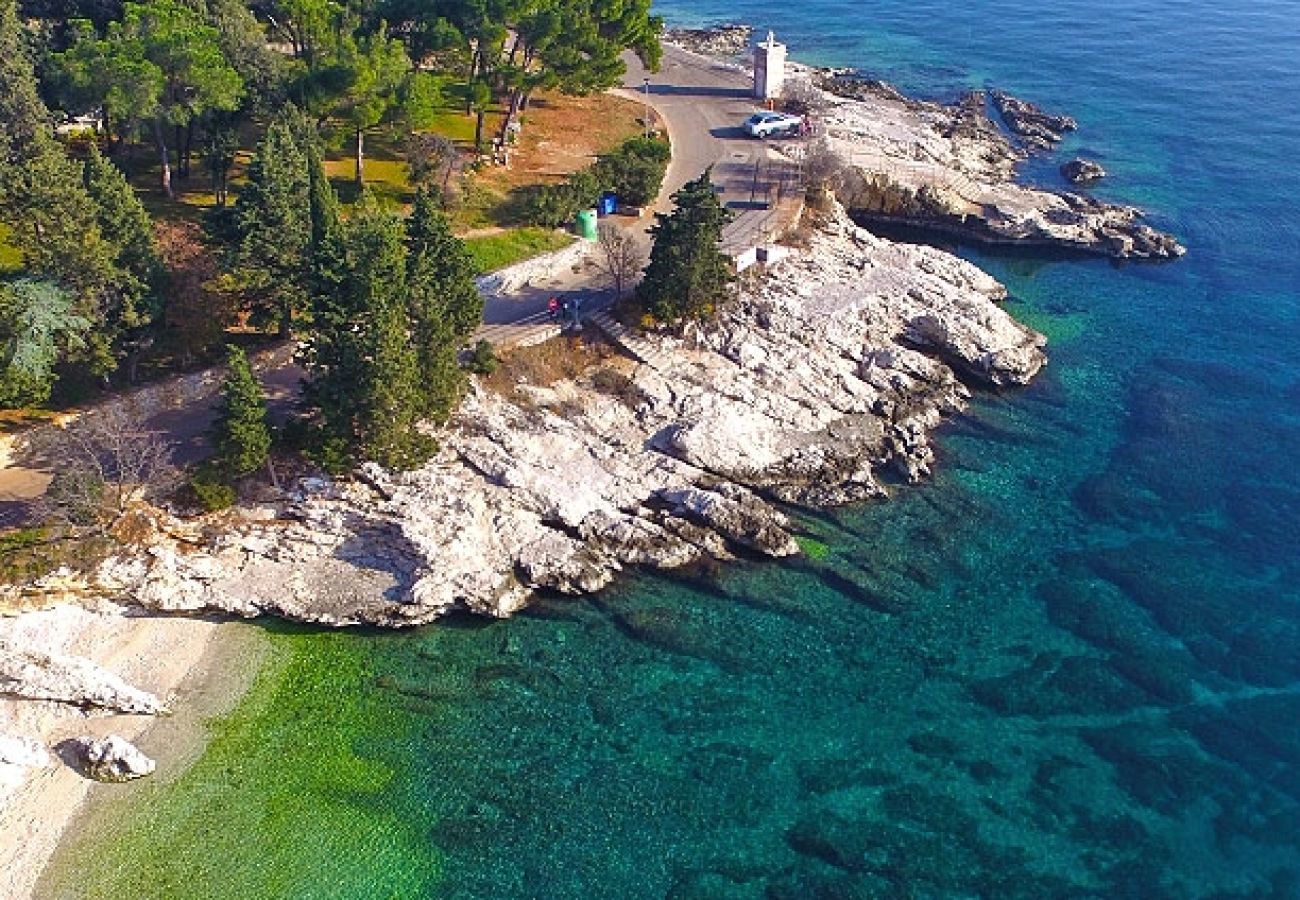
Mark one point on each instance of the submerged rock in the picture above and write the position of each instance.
(112, 759)
(1082, 171)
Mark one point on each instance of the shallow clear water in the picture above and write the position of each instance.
(1070, 667)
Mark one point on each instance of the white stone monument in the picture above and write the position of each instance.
(769, 68)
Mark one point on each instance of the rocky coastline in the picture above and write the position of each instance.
(715, 40)
(819, 384)
(1037, 128)
(949, 169)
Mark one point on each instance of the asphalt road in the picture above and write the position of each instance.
(702, 104)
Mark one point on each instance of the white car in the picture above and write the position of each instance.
(768, 124)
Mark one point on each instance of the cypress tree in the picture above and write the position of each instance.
(389, 400)
(273, 216)
(366, 376)
(445, 304)
(241, 433)
(24, 120)
(332, 353)
(127, 228)
(688, 274)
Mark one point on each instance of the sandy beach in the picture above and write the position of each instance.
(198, 667)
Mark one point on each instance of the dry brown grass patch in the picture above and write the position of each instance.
(559, 359)
(562, 135)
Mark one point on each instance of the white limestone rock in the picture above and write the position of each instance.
(34, 675)
(23, 752)
(112, 759)
(819, 380)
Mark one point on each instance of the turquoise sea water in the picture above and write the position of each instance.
(1069, 667)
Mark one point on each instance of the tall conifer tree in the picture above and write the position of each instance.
(126, 226)
(273, 215)
(241, 432)
(688, 274)
(446, 306)
(53, 219)
(388, 400)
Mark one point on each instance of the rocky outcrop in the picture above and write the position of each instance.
(111, 759)
(947, 169)
(1082, 171)
(1037, 128)
(716, 40)
(33, 675)
(819, 384)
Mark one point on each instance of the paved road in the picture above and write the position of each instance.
(701, 103)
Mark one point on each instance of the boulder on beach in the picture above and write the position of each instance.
(112, 759)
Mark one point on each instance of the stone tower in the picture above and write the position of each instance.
(769, 68)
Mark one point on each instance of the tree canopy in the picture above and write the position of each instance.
(163, 64)
(688, 274)
(273, 222)
(241, 431)
(38, 323)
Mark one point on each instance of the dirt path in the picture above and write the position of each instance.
(181, 408)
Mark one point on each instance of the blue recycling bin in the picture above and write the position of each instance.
(608, 203)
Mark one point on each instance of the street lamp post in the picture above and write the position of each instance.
(645, 83)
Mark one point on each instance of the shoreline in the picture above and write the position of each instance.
(201, 667)
(949, 169)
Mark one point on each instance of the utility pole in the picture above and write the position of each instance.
(646, 117)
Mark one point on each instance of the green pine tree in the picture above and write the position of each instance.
(37, 324)
(127, 228)
(365, 382)
(332, 353)
(241, 432)
(688, 275)
(445, 304)
(388, 398)
(273, 215)
(24, 120)
(53, 220)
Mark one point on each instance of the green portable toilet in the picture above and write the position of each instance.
(587, 224)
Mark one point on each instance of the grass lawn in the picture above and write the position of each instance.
(560, 135)
(496, 251)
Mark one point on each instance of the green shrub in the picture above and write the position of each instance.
(634, 172)
(210, 490)
(483, 360)
(557, 205)
(22, 539)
